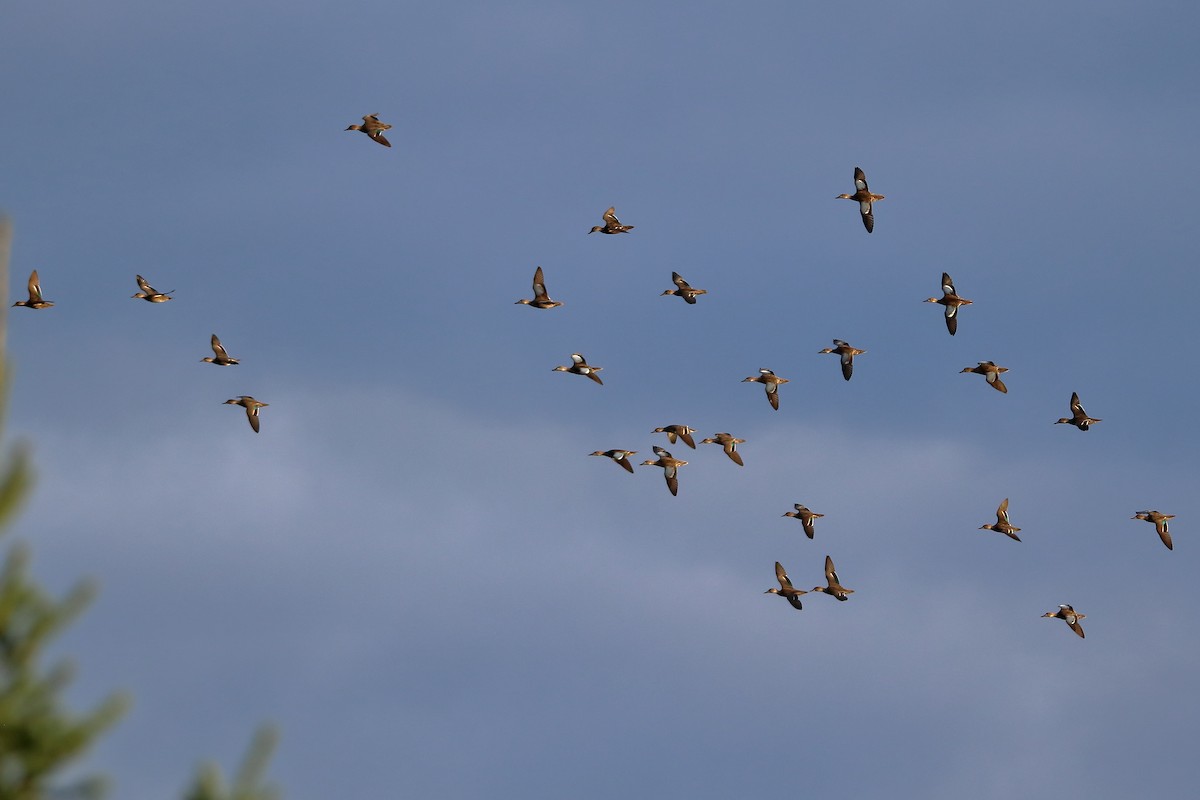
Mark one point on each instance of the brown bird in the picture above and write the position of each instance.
(991, 373)
(806, 518)
(579, 366)
(835, 587)
(1079, 417)
(219, 357)
(540, 298)
(251, 405)
(683, 289)
(785, 588)
(1068, 615)
(847, 354)
(951, 301)
(1002, 525)
(729, 443)
(864, 197)
(1160, 524)
(670, 467)
(149, 293)
(619, 456)
(771, 383)
(35, 294)
(611, 224)
(372, 127)
(680, 432)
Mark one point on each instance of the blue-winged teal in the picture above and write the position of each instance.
(35, 294)
(540, 298)
(1002, 524)
(835, 588)
(611, 223)
(670, 467)
(619, 456)
(806, 518)
(991, 373)
(681, 432)
(846, 353)
(951, 301)
(149, 293)
(219, 357)
(770, 382)
(729, 443)
(372, 127)
(1070, 616)
(1160, 524)
(864, 197)
(579, 366)
(785, 588)
(251, 405)
(683, 289)
(1079, 417)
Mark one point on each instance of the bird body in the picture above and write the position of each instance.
(991, 373)
(540, 298)
(1070, 616)
(846, 353)
(373, 128)
(621, 457)
(771, 383)
(579, 366)
(678, 432)
(611, 223)
(1079, 417)
(785, 588)
(806, 518)
(219, 357)
(951, 301)
(670, 467)
(1160, 525)
(35, 294)
(149, 293)
(683, 289)
(834, 587)
(1002, 524)
(864, 198)
(251, 405)
(729, 443)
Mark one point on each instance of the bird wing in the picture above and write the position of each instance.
(539, 285)
(1076, 406)
(35, 287)
(782, 576)
(860, 180)
(830, 572)
(952, 319)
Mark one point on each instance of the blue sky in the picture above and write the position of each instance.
(416, 571)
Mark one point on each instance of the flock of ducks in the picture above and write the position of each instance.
(950, 300)
(152, 295)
